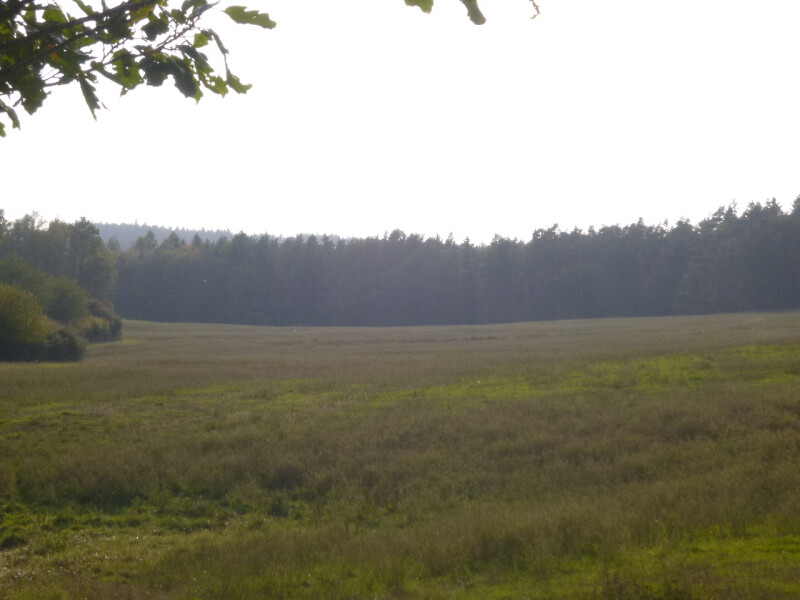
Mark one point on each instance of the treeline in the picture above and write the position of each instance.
(56, 286)
(121, 236)
(728, 262)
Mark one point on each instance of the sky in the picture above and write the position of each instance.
(368, 115)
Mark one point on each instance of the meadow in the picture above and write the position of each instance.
(652, 458)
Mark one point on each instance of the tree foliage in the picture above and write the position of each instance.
(473, 10)
(134, 42)
(61, 298)
(65, 275)
(73, 250)
(22, 320)
(728, 262)
(27, 334)
(48, 43)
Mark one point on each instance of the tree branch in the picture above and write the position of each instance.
(13, 8)
(113, 13)
(103, 19)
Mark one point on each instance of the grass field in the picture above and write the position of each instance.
(601, 459)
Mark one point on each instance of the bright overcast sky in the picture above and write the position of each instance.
(368, 115)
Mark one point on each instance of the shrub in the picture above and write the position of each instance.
(66, 301)
(63, 300)
(101, 310)
(27, 334)
(94, 329)
(102, 326)
(64, 344)
(23, 326)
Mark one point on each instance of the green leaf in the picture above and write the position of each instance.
(67, 61)
(241, 14)
(184, 78)
(32, 91)
(223, 50)
(178, 16)
(54, 15)
(11, 114)
(92, 101)
(192, 4)
(126, 69)
(191, 52)
(475, 14)
(155, 28)
(200, 40)
(88, 10)
(100, 68)
(236, 85)
(141, 13)
(425, 5)
(83, 43)
(199, 59)
(200, 8)
(118, 29)
(216, 85)
(155, 71)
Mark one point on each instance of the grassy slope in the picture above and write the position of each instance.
(635, 458)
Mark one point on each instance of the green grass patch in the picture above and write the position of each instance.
(632, 458)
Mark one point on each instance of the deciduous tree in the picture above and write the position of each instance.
(48, 43)
(22, 323)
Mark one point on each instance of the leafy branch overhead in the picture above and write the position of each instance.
(48, 43)
(474, 12)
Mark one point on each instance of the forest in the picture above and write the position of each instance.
(61, 282)
(123, 235)
(728, 262)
